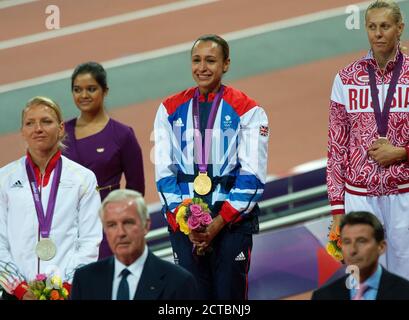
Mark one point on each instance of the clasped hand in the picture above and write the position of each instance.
(202, 238)
(385, 153)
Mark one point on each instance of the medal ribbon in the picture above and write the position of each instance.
(44, 221)
(203, 150)
(383, 117)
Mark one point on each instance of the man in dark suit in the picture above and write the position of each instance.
(133, 272)
(363, 242)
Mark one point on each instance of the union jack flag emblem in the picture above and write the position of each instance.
(264, 131)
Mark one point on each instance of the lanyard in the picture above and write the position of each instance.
(44, 221)
(202, 150)
(382, 117)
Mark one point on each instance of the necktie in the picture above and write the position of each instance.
(361, 291)
(123, 289)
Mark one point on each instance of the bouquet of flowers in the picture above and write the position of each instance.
(193, 214)
(43, 287)
(334, 244)
(48, 288)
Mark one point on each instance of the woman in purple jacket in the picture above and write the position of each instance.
(98, 142)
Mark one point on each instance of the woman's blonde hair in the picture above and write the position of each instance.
(385, 4)
(395, 11)
(39, 100)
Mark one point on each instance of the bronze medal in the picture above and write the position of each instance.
(382, 140)
(202, 184)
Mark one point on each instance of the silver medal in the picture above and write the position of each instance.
(46, 249)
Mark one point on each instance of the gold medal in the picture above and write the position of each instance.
(46, 249)
(202, 184)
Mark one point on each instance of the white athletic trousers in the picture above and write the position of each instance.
(393, 212)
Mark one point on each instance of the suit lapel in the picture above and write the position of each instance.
(150, 284)
(341, 292)
(105, 287)
(384, 283)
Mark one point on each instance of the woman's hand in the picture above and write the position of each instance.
(29, 296)
(336, 221)
(198, 237)
(203, 238)
(386, 154)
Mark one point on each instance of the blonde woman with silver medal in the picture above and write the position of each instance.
(48, 206)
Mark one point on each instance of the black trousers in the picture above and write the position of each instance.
(7, 296)
(221, 274)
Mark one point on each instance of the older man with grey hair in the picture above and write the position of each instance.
(133, 272)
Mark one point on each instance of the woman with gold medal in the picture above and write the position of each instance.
(49, 205)
(211, 143)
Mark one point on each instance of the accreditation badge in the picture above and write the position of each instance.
(46, 249)
(202, 184)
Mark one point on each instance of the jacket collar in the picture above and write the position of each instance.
(210, 97)
(47, 173)
(369, 58)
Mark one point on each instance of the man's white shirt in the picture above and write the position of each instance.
(133, 278)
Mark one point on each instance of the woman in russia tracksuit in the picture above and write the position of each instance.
(368, 146)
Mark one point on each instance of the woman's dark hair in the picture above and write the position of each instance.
(363, 217)
(217, 39)
(95, 69)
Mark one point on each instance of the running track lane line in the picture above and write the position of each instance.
(101, 23)
(13, 3)
(236, 35)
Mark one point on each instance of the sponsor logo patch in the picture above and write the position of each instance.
(178, 123)
(240, 257)
(227, 122)
(17, 184)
